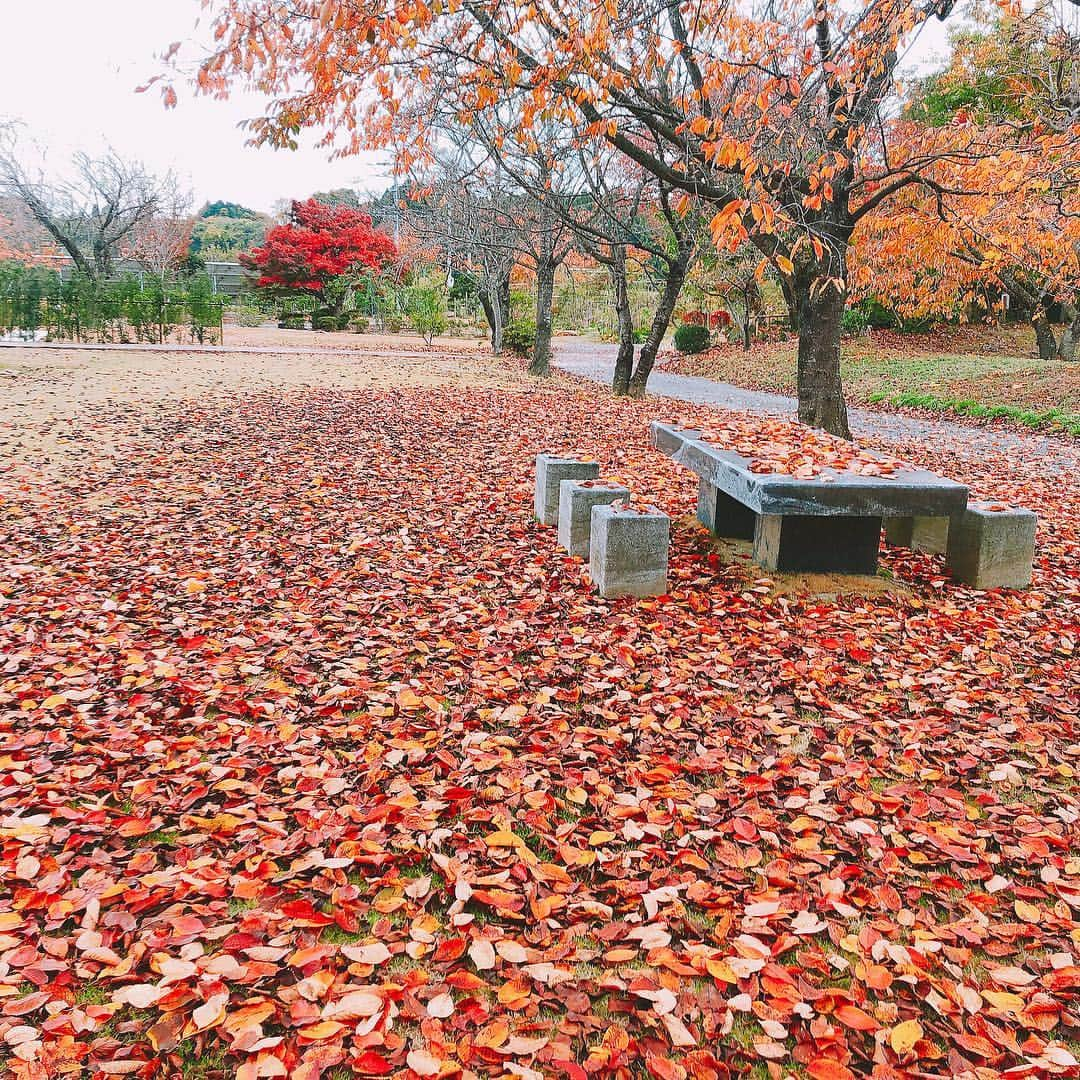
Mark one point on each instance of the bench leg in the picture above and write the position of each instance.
(722, 515)
(928, 534)
(808, 544)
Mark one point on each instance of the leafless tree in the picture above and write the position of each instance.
(93, 215)
(470, 215)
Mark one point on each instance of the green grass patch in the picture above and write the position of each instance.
(1032, 418)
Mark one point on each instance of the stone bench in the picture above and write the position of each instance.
(987, 545)
(830, 523)
(926, 534)
(576, 501)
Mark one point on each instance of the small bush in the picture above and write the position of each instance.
(393, 324)
(426, 306)
(292, 322)
(248, 316)
(854, 322)
(359, 324)
(520, 337)
(866, 315)
(691, 338)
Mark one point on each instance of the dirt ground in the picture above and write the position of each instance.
(270, 337)
(57, 404)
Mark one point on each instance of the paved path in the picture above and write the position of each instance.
(597, 362)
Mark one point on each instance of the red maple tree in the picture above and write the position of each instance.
(318, 244)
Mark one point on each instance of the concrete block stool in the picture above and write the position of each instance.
(628, 552)
(551, 470)
(992, 548)
(576, 501)
(929, 534)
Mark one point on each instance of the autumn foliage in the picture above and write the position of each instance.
(317, 245)
(778, 121)
(297, 781)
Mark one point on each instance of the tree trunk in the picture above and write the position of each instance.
(665, 308)
(821, 299)
(791, 301)
(494, 297)
(489, 315)
(545, 292)
(1069, 346)
(624, 362)
(1044, 333)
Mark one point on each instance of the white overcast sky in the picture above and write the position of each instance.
(69, 69)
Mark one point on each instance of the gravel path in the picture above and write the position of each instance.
(596, 362)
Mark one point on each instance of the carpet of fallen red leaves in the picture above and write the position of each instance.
(317, 757)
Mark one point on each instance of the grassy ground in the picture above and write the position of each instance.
(982, 372)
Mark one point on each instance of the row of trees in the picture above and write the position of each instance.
(778, 125)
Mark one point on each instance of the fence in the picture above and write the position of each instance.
(228, 279)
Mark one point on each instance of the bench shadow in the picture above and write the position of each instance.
(737, 555)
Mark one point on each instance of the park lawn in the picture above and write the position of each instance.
(320, 759)
(980, 372)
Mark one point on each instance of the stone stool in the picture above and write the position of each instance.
(576, 501)
(551, 470)
(628, 552)
(992, 548)
(928, 534)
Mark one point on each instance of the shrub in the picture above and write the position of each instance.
(520, 336)
(247, 315)
(691, 338)
(329, 320)
(204, 310)
(694, 318)
(854, 322)
(292, 321)
(358, 324)
(426, 308)
(867, 314)
(393, 324)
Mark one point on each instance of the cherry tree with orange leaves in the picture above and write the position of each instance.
(777, 116)
(1006, 226)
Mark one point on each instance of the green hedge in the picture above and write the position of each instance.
(127, 310)
(520, 336)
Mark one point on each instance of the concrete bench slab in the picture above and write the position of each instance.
(851, 505)
(628, 552)
(576, 501)
(669, 438)
(551, 470)
(992, 547)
